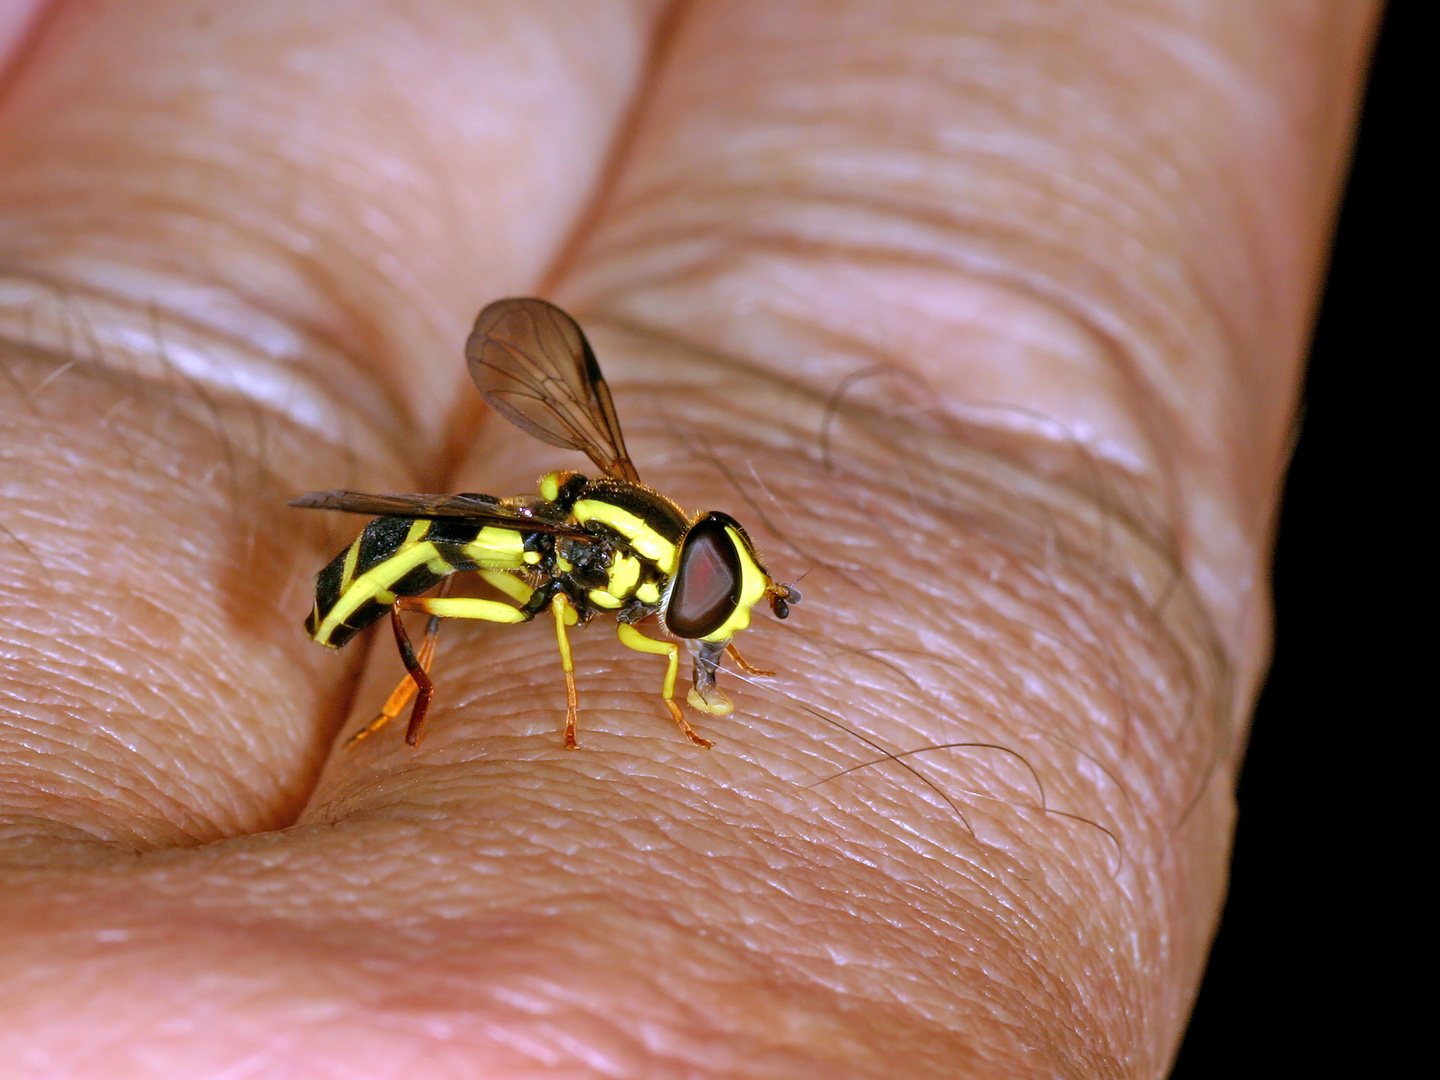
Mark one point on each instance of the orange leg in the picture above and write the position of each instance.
(740, 661)
(417, 683)
(424, 688)
(406, 688)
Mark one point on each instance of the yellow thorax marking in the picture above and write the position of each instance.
(624, 573)
(646, 541)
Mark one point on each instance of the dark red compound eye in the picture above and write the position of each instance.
(707, 580)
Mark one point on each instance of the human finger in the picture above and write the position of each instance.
(744, 910)
(1097, 241)
(241, 244)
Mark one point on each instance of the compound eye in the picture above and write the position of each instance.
(707, 581)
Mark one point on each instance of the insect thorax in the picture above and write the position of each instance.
(638, 531)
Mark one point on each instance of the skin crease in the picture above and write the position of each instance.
(1070, 260)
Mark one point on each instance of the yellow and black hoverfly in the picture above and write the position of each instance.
(580, 547)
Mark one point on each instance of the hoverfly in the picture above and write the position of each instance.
(580, 547)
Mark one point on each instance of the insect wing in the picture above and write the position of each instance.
(479, 509)
(534, 367)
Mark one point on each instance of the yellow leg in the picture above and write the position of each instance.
(633, 639)
(560, 608)
(508, 584)
(463, 607)
(518, 591)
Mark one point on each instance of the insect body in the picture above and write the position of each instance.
(580, 547)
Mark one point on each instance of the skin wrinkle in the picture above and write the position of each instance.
(350, 411)
(846, 346)
(1139, 483)
(98, 791)
(751, 240)
(145, 775)
(920, 546)
(327, 285)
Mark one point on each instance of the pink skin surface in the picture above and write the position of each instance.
(987, 318)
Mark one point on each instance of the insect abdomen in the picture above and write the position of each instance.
(401, 557)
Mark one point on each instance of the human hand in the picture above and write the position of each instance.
(242, 247)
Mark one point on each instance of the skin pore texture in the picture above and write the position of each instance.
(987, 319)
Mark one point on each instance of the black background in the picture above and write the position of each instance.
(1280, 996)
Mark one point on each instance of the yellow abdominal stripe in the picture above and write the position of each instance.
(493, 547)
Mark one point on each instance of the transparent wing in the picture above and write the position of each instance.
(534, 367)
(479, 509)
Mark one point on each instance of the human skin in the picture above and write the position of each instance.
(1062, 265)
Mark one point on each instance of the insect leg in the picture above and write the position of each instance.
(560, 608)
(740, 662)
(633, 639)
(405, 689)
(704, 695)
(425, 689)
(439, 607)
